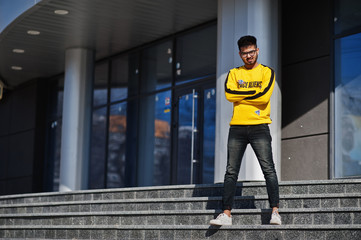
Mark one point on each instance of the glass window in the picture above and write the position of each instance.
(196, 55)
(132, 113)
(125, 77)
(119, 79)
(348, 106)
(53, 156)
(154, 140)
(157, 67)
(133, 76)
(55, 98)
(209, 123)
(187, 118)
(117, 141)
(100, 84)
(98, 148)
(53, 131)
(347, 15)
(131, 143)
(162, 121)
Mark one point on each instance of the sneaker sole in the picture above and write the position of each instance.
(216, 224)
(275, 223)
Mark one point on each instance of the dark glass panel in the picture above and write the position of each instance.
(157, 67)
(98, 148)
(196, 55)
(100, 95)
(347, 15)
(117, 142)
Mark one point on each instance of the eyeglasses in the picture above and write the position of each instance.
(250, 53)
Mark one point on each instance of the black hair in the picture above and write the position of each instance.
(246, 41)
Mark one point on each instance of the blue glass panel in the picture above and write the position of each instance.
(209, 134)
(184, 159)
(348, 106)
(117, 142)
(162, 121)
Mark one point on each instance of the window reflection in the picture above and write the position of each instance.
(198, 55)
(117, 145)
(55, 143)
(162, 120)
(131, 136)
(154, 139)
(53, 131)
(100, 84)
(157, 67)
(209, 124)
(187, 118)
(124, 77)
(348, 106)
(119, 79)
(98, 148)
(131, 117)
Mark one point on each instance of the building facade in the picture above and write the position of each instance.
(109, 94)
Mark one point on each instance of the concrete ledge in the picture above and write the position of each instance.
(184, 187)
(190, 227)
(184, 212)
(181, 233)
(185, 199)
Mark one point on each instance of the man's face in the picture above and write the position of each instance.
(249, 54)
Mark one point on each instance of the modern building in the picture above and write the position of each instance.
(118, 93)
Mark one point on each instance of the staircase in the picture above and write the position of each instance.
(310, 210)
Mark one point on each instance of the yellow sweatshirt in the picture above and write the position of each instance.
(250, 91)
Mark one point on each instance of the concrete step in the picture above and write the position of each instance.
(249, 232)
(309, 210)
(310, 216)
(337, 200)
(185, 191)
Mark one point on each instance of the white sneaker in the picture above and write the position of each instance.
(221, 220)
(275, 218)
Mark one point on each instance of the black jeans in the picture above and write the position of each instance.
(260, 139)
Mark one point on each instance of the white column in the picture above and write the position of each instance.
(237, 18)
(76, 126)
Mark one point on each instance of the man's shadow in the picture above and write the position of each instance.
(212, 230)
(241, 202)
(212, 203)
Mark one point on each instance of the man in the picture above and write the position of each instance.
(249, 88)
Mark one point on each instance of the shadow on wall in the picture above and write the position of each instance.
(304, 87)
(305, 58)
